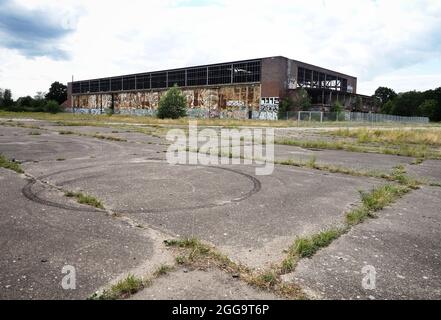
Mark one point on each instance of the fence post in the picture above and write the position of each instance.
(321, 117)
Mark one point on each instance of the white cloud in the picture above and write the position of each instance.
(369, 39)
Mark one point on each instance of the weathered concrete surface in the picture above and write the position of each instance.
(429, 170)
(37, 241)
(253, 219)
(250, 218)
(15, 142)
(201, 285)
(346, 159)
(256, 230)
(403, 245)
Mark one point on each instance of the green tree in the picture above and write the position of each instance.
(406, 104)
(7, 98)
(286, 105)
(52, 106)
(173, 104)
(25, 102)
(384, 95)
(1, 98)
(57, 92)
(428, 108)
(337, 107)
(304, 100)
(388, 107)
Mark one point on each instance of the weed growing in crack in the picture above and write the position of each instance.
(194, 253)
(163, 270)
(122, 289)
(85, 199)
(307, 247)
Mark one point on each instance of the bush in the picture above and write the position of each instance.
(337, 107)
(428, 108)
(52, 106)
(173, 104)
(285, 106)
(304, 100)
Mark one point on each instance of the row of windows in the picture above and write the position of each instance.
(314, 79)
(199, 76)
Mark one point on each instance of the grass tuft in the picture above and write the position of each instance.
(85, 199)
(122, 289)
(266, 280)
(307, 247)
(163, 270)
(110, 138)
(382, 196)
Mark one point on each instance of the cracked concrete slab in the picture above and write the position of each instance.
(209, 284)
(429, 170)
(346, 159)
(37, 241)
(403, 245)
(255, 231)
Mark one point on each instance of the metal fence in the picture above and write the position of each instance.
(317, 116)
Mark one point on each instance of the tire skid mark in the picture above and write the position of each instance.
(31, 195)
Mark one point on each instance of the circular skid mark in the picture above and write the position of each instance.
(31, 195)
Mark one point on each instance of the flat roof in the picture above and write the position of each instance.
(218, 64)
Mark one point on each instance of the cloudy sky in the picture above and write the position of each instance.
(382, 42)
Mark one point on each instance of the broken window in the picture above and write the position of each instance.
(219, 74)
(246, 72)
(313, 79)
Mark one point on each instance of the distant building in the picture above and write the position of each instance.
(250, 89)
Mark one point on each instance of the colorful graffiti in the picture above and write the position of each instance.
(220, 102)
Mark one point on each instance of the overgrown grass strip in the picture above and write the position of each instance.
(11, 165)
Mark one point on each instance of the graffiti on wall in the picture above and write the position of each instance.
(269, 108)
(235, 103)
(221, 102)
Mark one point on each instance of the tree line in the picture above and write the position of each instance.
(411, 103)
(40, 102)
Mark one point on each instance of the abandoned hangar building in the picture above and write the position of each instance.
(249, 89)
